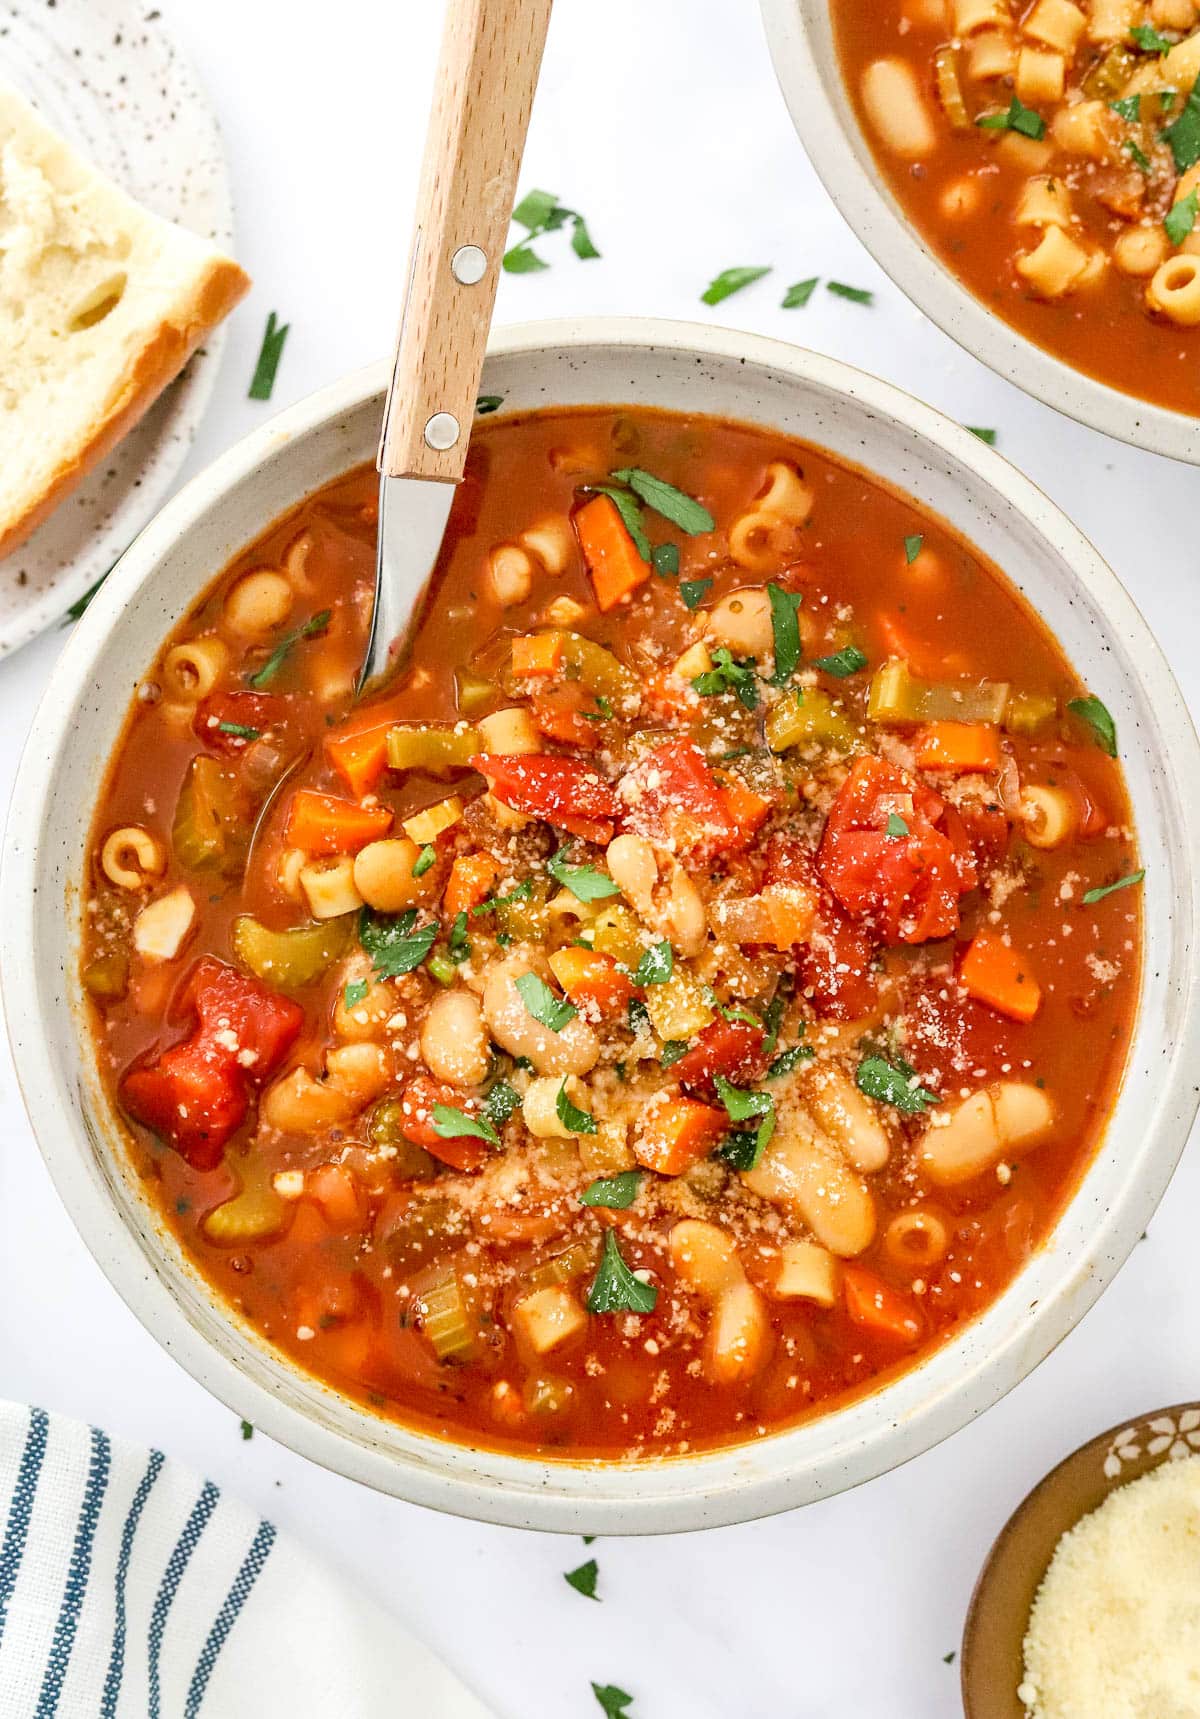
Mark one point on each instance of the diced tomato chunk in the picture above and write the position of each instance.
(729, 1048)
(465, 1152)
(673, 798)
(836, 965)
(264, 1025)
(566, 792)
(895, 855)
(223, 718)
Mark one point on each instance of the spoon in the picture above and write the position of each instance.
(487, 74)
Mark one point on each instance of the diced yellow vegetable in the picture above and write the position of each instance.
(679, 1008)
(428, 824)
(474, 692)
(1029, 711)
(547, 1318)
(419, 746)
(291, 958)
(107, 976)
(595, 667)
(616, 932)
(897, 695)
(208, 833)
(809, 717)
(564, 1267)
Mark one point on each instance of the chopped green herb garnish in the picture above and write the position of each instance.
(394, 942)
(730, 281)
(1126, 882)
(80, 604)
(665, 560)
(602, 713)
(613, 1193)
(1183, 134)
(797, 296)
(663, 498)
(487, 403)
(500, 1102)
(615, 1289)
(1181, 218)
(547, 1009)
(1018, 118)
(849, 660)
(310, 630)
(247, 1430)
(726, 675)
(457, 942)
(239, 730)
(613, 1700)
(573, 1119)
(772, 1016)
(893, 1083)
(694, 591)
(1129, 108)
(741, 1149)
(1091, 711)
(743, 1106)
(584, 881)
(856, 295)
(1137, 155)
(540, 212)
(423, 861)
(583, 1580)
(269, 354)
(988, 436)
(639, 1017)
(450, 1123)
(787, 1060)
(895, 826)
(1150, 40)
(912, 547)
(656, 964)
(632, 518)
(519, 892)
(671, 1052)
(785, 630)
(355, 992)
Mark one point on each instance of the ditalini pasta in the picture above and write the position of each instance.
(683, 1000)
(1051, 154)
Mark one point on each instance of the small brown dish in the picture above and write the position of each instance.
(992, 1657)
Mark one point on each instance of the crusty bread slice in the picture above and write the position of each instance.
(101, 305)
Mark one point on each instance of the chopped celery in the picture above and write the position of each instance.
(1108, 77)
(1029, 711)
(254, 1212)
(563, 1267)
(679, 1007)
(209, 833)
(423, 746)
(595, 667)
(443, 969)
(445, 1321)
(289, 959)
(524, 917)
(897, 695)
(474, 692)
(107, 976)
(385, 1127)
(809, 717)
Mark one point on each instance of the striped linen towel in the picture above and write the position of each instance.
(132, 1589)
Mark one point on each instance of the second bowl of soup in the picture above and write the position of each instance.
(1028, 174)
(634, 1068)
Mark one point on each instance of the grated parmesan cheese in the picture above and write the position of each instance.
(1114, 1632)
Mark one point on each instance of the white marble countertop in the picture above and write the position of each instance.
(661, 121)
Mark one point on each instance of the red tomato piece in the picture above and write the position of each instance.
(907, 884)
(561, 714)
(193, 1096)
(227, 1001)
(222, 712)
(836, 964)
(465, 1151)
(672, 797)
(565, 792)
(729, 1048)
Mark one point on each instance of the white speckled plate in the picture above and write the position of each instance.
(106, 75)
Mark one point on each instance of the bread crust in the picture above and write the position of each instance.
(222, 284)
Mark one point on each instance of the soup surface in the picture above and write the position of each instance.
(1050, 153)
(683, 1001)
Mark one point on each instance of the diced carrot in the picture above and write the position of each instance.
(322, 824)
(471, 880)
(559, 712)
(537, 653)
(610, 553)
(676, 1133)
(359, 756)
(747, 810)
(587, 976)
(997, 974)
(878, 1307)
(667, 695)
(332, 1187)
(958, 746)
(308, 1227)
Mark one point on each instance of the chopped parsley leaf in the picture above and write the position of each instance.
(726, 675)
(663, 498)
(1018, 118)
(912, 547)
(310, 630)
(613, 1700)
(487, 403)
(787, 1060)
(450, 1123)
(500, 1102)
(269, 354)
(1183, 134)
(584, 881)
(1126, 882)
(583, 1580)
(615, 1289)
(856, 295)
(842, 663)
(656, 965)
(540, 212)
(665, 558)
(423, 861)
(394, 942)
(1091, 711)
(613, 1193)
(1129, 108)
(355, 992)
(694, 591)
(547, 1009)
(1181, 218)
(895, 826)
(785, 629)
(573, 1119)
(239, 730)
(988, 436)
(1149, 40)
(730, 281)
(797, 296)
(893, 1083)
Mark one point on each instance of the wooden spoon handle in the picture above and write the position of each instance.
(491, 52)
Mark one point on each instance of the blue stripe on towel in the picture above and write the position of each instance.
(235, 1599)
(116, 1663)
(75, 1587)
(186, 1544)
(21, 1508)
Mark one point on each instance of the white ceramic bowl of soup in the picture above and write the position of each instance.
(675, 366)
(803, 48)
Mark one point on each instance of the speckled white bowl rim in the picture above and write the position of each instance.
(801, 39)
(672, 364)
